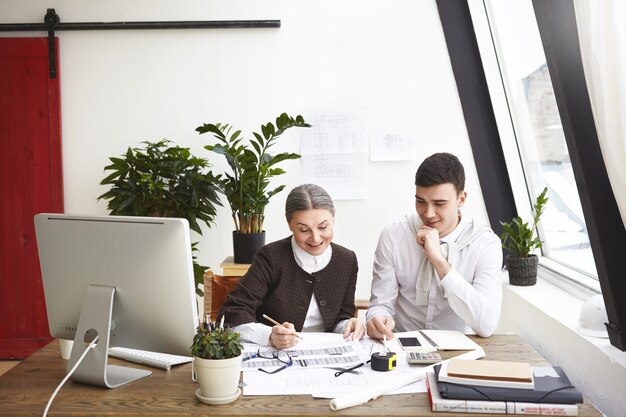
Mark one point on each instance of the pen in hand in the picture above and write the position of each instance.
(266, 317)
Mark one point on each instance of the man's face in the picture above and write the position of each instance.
(438, 206)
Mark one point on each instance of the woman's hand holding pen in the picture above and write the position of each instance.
(356, 327)
(283, 336)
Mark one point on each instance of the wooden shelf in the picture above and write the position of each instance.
(230, 268)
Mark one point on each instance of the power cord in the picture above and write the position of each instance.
(71, 371)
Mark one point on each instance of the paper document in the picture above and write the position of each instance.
(446, 340)
(318, 357)
(391, 385)
(315, 350)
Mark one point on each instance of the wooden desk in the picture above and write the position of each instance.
(26, 388)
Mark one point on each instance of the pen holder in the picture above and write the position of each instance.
(383, 361)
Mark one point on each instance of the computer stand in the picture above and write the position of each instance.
(95, 319)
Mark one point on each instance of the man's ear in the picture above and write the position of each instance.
(461, 198)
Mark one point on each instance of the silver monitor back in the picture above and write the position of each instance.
(146, 259)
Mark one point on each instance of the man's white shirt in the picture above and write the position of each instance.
(467, 299)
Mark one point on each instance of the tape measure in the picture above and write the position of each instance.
(384, 361)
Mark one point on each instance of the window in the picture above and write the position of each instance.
(538, 133)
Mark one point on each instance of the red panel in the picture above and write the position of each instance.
(30, 182)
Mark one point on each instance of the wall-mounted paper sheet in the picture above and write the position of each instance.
(335, 152)
(393, 146)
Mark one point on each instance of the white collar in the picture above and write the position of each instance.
(308, 262)
(454, 235)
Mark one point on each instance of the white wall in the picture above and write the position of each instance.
(122, 87)
(547, 318)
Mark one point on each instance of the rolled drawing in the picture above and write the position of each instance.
(362, 397)
(358, 398)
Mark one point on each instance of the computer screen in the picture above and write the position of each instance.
(130, 275)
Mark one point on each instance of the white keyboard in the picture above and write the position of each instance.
(144, 357)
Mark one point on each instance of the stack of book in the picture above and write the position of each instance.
(499, 387)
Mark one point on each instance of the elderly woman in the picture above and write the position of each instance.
(304, 281)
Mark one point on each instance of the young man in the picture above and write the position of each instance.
(435, 269)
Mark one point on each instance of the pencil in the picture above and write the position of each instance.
(278, 324)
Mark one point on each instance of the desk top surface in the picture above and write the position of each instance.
(25, 390)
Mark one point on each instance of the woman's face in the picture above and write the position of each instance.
(312, 230)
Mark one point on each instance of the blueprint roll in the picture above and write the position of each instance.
(358, 398)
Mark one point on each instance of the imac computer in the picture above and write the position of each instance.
(127, 280)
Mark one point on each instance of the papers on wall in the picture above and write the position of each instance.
(335, 152)
(393, 146)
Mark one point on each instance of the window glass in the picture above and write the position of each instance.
(539, 134)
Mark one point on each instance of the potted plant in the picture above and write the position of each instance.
(246, 186)
(217, 356)
(160, 180)
(519, 239)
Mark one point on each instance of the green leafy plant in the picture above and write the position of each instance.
(518, 237)
(216, 344)
(161, 180)
(252, 166)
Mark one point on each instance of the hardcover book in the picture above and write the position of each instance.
(490, 370)
(487, 373)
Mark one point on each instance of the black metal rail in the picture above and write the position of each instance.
(206, 24)
(52, 23)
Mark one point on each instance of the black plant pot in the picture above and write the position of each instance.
(522, 271)
(246, 245)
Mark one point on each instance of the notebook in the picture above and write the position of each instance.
(487, 373)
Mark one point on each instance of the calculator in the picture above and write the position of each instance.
(423, 357)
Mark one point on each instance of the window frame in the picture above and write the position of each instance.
(575, 282)
(557, 26)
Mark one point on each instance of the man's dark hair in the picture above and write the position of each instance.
(441, 168)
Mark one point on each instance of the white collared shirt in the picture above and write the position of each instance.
(467, 299)
(260, 333)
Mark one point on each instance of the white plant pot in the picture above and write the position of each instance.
(218, 378)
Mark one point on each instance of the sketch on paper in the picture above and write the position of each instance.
(335, 152)
(393, 147)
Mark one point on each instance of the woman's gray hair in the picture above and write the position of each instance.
(308, 197)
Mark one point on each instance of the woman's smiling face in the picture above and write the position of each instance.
(312, 230)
